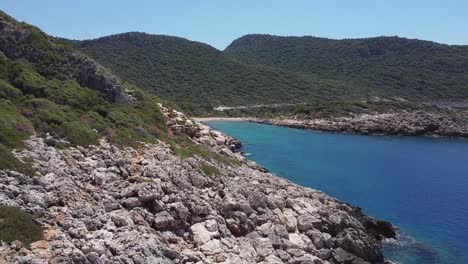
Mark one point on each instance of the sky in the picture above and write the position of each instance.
(219, 22)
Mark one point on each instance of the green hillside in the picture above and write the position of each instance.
(199, 77)
(47, 87)
(383, 66)
(263, 69)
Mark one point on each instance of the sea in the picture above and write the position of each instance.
(419, 184)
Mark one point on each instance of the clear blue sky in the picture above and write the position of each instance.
(218, 22)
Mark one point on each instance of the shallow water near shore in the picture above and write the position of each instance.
(419, 184)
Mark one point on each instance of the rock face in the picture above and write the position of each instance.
(201, 133)
(15, 41)
(103, 204)
(451, 124)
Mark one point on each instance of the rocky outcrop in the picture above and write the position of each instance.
(103, 204)
(20, 41)
(450, 124)
(178, 122)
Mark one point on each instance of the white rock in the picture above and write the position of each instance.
(200, 234)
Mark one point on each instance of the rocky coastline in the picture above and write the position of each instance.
(436, 124)
(103, 204)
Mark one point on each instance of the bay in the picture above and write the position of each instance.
(419, 184)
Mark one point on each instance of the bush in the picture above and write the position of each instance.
(13, 126)
(185, 148)
(209, 170)
(9, 162)
(79, 133)
(8, 91)
(16, 224)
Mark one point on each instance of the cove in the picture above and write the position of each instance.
(418, 184)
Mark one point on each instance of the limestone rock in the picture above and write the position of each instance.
(104, 204)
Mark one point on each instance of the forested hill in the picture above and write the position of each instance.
(199, 77)
(263, 69)
(388, 66)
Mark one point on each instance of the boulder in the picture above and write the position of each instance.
(132, 202)
(200, 234)
(163, 220)
(307, 222)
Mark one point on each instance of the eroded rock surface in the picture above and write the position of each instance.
(104, 204)
(108, 205)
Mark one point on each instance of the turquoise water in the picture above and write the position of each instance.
(419, 184)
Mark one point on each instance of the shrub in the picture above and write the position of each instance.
(79, 133)
(16, 224)
(207, 169)
(13, 126)
(185, 148)
(9, 162)
(8, 91)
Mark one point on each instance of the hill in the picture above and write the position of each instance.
(263, 69)
(199, 77)
(47, 88)
(383, 66)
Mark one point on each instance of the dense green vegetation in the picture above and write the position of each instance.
(33, 103)
(326, 109)
(16, 224)
(198, 77)
(383, 66)
(307, 71)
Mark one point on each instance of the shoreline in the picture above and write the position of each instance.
(208, 119)
(433, 125)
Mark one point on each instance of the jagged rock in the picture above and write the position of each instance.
(132, 202)
(299, 241)
(201, 235)
(263, 247)
(272, 259)
(211, 225)
(281, 231)
(320, 240)
(212, 247)
(257, 200)
(163, 220)
(121, 218)
(198, 181)
(307, 222)
(156, 215)
(342, 256)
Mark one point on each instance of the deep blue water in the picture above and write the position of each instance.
(419, 184)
